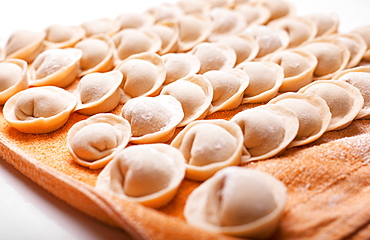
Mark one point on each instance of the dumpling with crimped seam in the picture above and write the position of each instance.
(97, 54)
(267, 129)
(99, 92)
(143, 75)
(228, 88)
(13, 78)
(153, 119)
(55, 67)
(239, 202)
(25, 45)
(168, 32)
(208, 146)
(254, 14)
(344, 100)
(149, 174)
(93, 142)
(360, 78)
(39, 109)
(312, 112)
(195, 93)
(265, 80)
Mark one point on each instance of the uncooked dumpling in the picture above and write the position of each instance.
(55, 67)
(265, 79)
(228, 88)
(326, 24)
(364, 32)
(344, 100)
(143, 75)
(13, 78)
(101, 26)
(214, 56)
(153, 119)
(93, 142)
(61, 36)
(299, 66)
(25, 45)
(208, 146)
(195, 94)
(179, 65)
(267, 129)
(332, 56)
(99, 92)
(360, 78)
(237, 201)
(39, 109)
(149, 174)
(133, 41)
(97, 54)
(313, 115)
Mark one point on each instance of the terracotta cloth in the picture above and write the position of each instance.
(328, 185)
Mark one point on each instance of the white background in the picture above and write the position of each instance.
(26, 210)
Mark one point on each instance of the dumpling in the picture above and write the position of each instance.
(360, 78)
(214, 56)
(265, 79)
(267, 129)
(129, 42)
(97, 54)
(179, 65)
(143, 75)
(363, 31)
(269, 39)
(193, 29)
(208, 146)
(56, 67)
(237, 201)
(332, 56)
(277, 8)
(254, 14)
(135, 20)
(313, 115)
(326, 24)
(299, 66)
(39, 109)
(299, 29)
(228, 88)
(25, 45)
(245, 46)
(225, 22)
(93, 142)
(164, 12)
(152, 119)
(355, 45)
(101, 26)
(13, 78)
(149, 174)
(168, 32)
(193, 7)
(195, 94)
(61, 36)
(99, 92)
(344, 100)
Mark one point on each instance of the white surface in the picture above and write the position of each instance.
(26, 210)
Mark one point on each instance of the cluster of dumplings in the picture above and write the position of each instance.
(170, 67)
